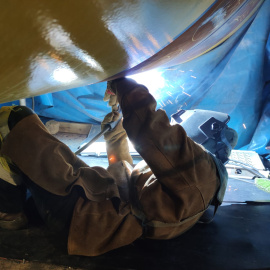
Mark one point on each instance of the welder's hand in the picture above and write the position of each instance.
(110, 117)
(118, 131)
(111, 97)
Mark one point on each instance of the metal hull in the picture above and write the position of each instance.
(48, 45)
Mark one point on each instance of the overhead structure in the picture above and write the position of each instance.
(48, 46)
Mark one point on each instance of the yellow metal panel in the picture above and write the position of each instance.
(50, 45)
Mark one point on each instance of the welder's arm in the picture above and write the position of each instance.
(167, 150)
(116, 140)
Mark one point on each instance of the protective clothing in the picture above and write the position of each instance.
(163, 197)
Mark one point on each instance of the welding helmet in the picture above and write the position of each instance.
(208, 128)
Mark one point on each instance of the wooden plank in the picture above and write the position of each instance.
(68, 127)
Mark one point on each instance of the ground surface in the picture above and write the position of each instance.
(238, 238)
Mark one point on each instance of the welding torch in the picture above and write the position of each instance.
(107, 127)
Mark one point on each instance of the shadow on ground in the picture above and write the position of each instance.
(238, 238)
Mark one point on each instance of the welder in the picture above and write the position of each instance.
(97, 210)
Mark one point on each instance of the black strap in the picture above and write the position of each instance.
(17, 114)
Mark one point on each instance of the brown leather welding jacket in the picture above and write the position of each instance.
(160, 200)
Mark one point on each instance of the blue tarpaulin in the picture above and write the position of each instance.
(233, 78)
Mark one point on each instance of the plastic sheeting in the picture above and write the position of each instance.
(233, 78)
(83, 104)
(261, 138)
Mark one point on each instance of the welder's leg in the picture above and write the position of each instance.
(12, 198)
(50, 163)
(56, 211)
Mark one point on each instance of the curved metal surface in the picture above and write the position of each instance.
(49, 45)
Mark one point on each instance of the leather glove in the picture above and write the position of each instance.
(111, 97)
(112, 117)
(116, 139)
